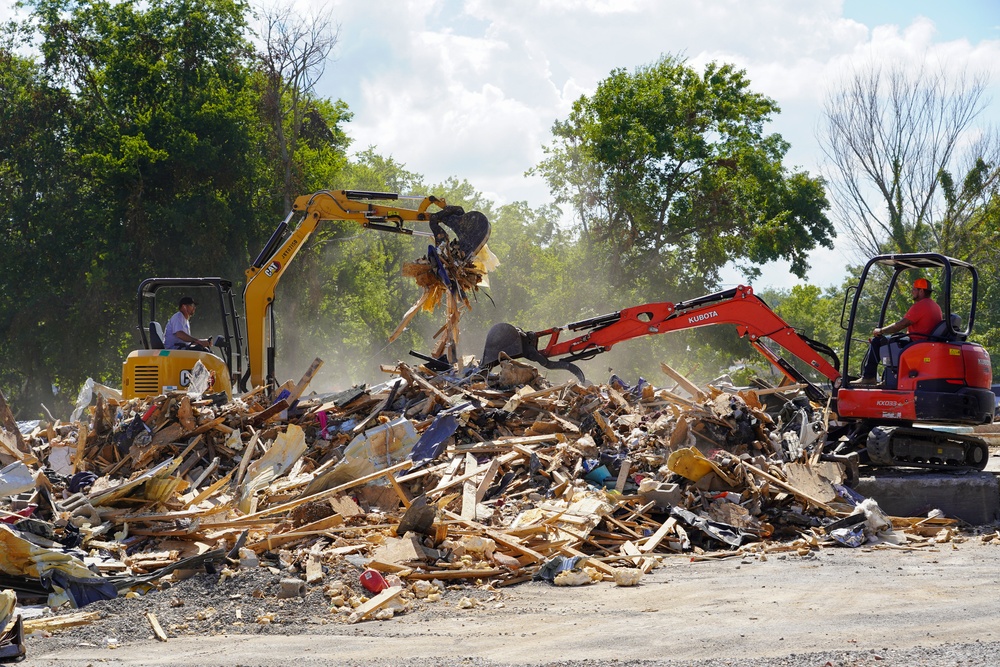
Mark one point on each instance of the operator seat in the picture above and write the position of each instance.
(155, 336)
(941, 332)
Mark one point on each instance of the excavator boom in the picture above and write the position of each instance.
(471, 229)
(738, 306)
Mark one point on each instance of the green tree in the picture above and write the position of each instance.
(42, 282)
(670, 175)
(292, 59)
(143, 119)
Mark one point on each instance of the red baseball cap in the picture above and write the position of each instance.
(922, 283)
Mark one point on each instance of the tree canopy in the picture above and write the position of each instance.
(671, 175)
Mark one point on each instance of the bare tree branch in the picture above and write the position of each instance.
(294, 54)
(888, 137)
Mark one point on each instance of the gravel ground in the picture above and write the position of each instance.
(837, 607)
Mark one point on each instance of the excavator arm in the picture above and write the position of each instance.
(471, 231)
(739, 306)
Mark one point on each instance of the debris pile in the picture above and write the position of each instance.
(420, 482)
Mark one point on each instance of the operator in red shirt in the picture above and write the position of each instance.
(919, 322)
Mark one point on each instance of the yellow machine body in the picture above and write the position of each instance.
(153, 372)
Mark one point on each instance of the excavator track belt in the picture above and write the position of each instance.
(926, 448)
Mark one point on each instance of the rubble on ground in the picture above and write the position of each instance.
(382, 497)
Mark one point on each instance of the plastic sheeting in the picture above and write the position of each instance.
(288, 448)
(19, 557)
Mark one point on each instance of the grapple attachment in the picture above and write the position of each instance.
(502, 338)
(472, 229)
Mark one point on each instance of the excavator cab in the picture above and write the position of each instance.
(943, 379)
(152, 370)
(882, 296)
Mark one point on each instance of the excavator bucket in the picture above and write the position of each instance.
(502, 338)
(472, 229)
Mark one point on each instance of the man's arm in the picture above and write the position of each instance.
(892, 328)
(188, 338)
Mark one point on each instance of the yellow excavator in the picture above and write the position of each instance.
(153, 369)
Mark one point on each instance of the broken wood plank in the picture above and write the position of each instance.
(303, 531)
(245, 460)
(622, 476)
(210, 490)
(685, 384)
(488, 477)
(469, 500)
(454, 574)
(657, 537)
(154, 623)
(377, 602)
(329, 493)
(403, 496)
(603, 567)
(53, 623)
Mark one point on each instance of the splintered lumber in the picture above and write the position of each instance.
(274, 410)
(455, 574)
(507, 541)
(329, 493)
(488, 477)
(54, 623)
(154, 623)
(377, 602)
(403, 497)
(637, 557)
(409, 374)
(215, 486)
(306, 379)
(819, 504)
(622, 476)
(245, 461)
(657, 537)
(685, 384)
(504, 460)
(469, 500)
(603, 567)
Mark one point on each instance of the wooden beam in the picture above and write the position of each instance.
(686, 385)
(154, 623)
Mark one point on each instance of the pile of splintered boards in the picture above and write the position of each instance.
(428, 476)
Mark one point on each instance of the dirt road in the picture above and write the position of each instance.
(882, 607)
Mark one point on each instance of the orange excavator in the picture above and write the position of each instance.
(943, 381)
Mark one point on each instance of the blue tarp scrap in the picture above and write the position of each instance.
(431, 442)
(555, 565)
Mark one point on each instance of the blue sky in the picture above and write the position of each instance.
(974, 20)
